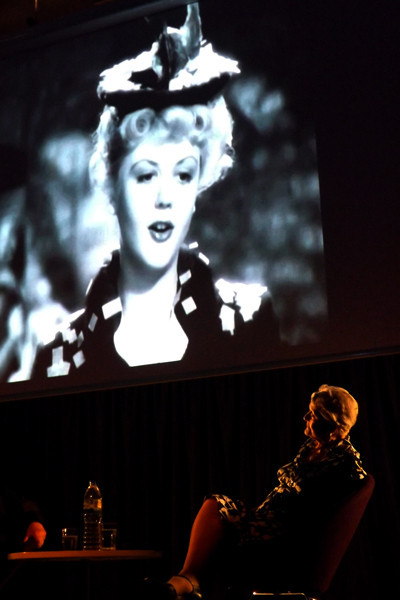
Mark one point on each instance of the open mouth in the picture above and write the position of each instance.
(161, 231)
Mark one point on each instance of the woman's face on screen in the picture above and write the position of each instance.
(157, 187)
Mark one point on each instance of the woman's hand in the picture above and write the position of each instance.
(35, 535)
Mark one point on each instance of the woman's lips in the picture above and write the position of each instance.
(161, 231)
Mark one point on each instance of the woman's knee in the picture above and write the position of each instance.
(211, 504)
(210, 509)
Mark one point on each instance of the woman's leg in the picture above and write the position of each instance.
(207, 532)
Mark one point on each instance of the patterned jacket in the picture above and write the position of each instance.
(225, 323)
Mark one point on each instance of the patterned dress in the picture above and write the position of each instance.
(224, 322)
(305, 487)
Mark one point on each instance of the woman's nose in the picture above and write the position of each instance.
(163, 198)
(307, 416)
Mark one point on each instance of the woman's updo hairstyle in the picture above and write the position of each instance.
(136, 125)
(337, 406)
(209, 127)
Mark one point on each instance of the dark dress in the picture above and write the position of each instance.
(276, 546)
(305, 489)
(219, 330)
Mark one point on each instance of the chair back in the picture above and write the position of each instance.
(305, 561)
(336, 535)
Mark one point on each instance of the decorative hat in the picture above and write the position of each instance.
(180, 69)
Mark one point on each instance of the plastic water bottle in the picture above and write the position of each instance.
(92, 518)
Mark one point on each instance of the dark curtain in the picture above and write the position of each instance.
(157, 450)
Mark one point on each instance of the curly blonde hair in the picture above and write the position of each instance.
(337, 406)
(209, 127)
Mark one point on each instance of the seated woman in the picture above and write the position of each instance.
(325, 469)
(165, 136)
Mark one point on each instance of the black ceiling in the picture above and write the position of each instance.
(16, 16)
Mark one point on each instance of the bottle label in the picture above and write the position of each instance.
(93, 504)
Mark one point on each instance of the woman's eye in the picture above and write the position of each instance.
(145, 177)
(185, 177)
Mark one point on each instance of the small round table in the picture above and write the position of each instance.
(86, 555)
(141, 560)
